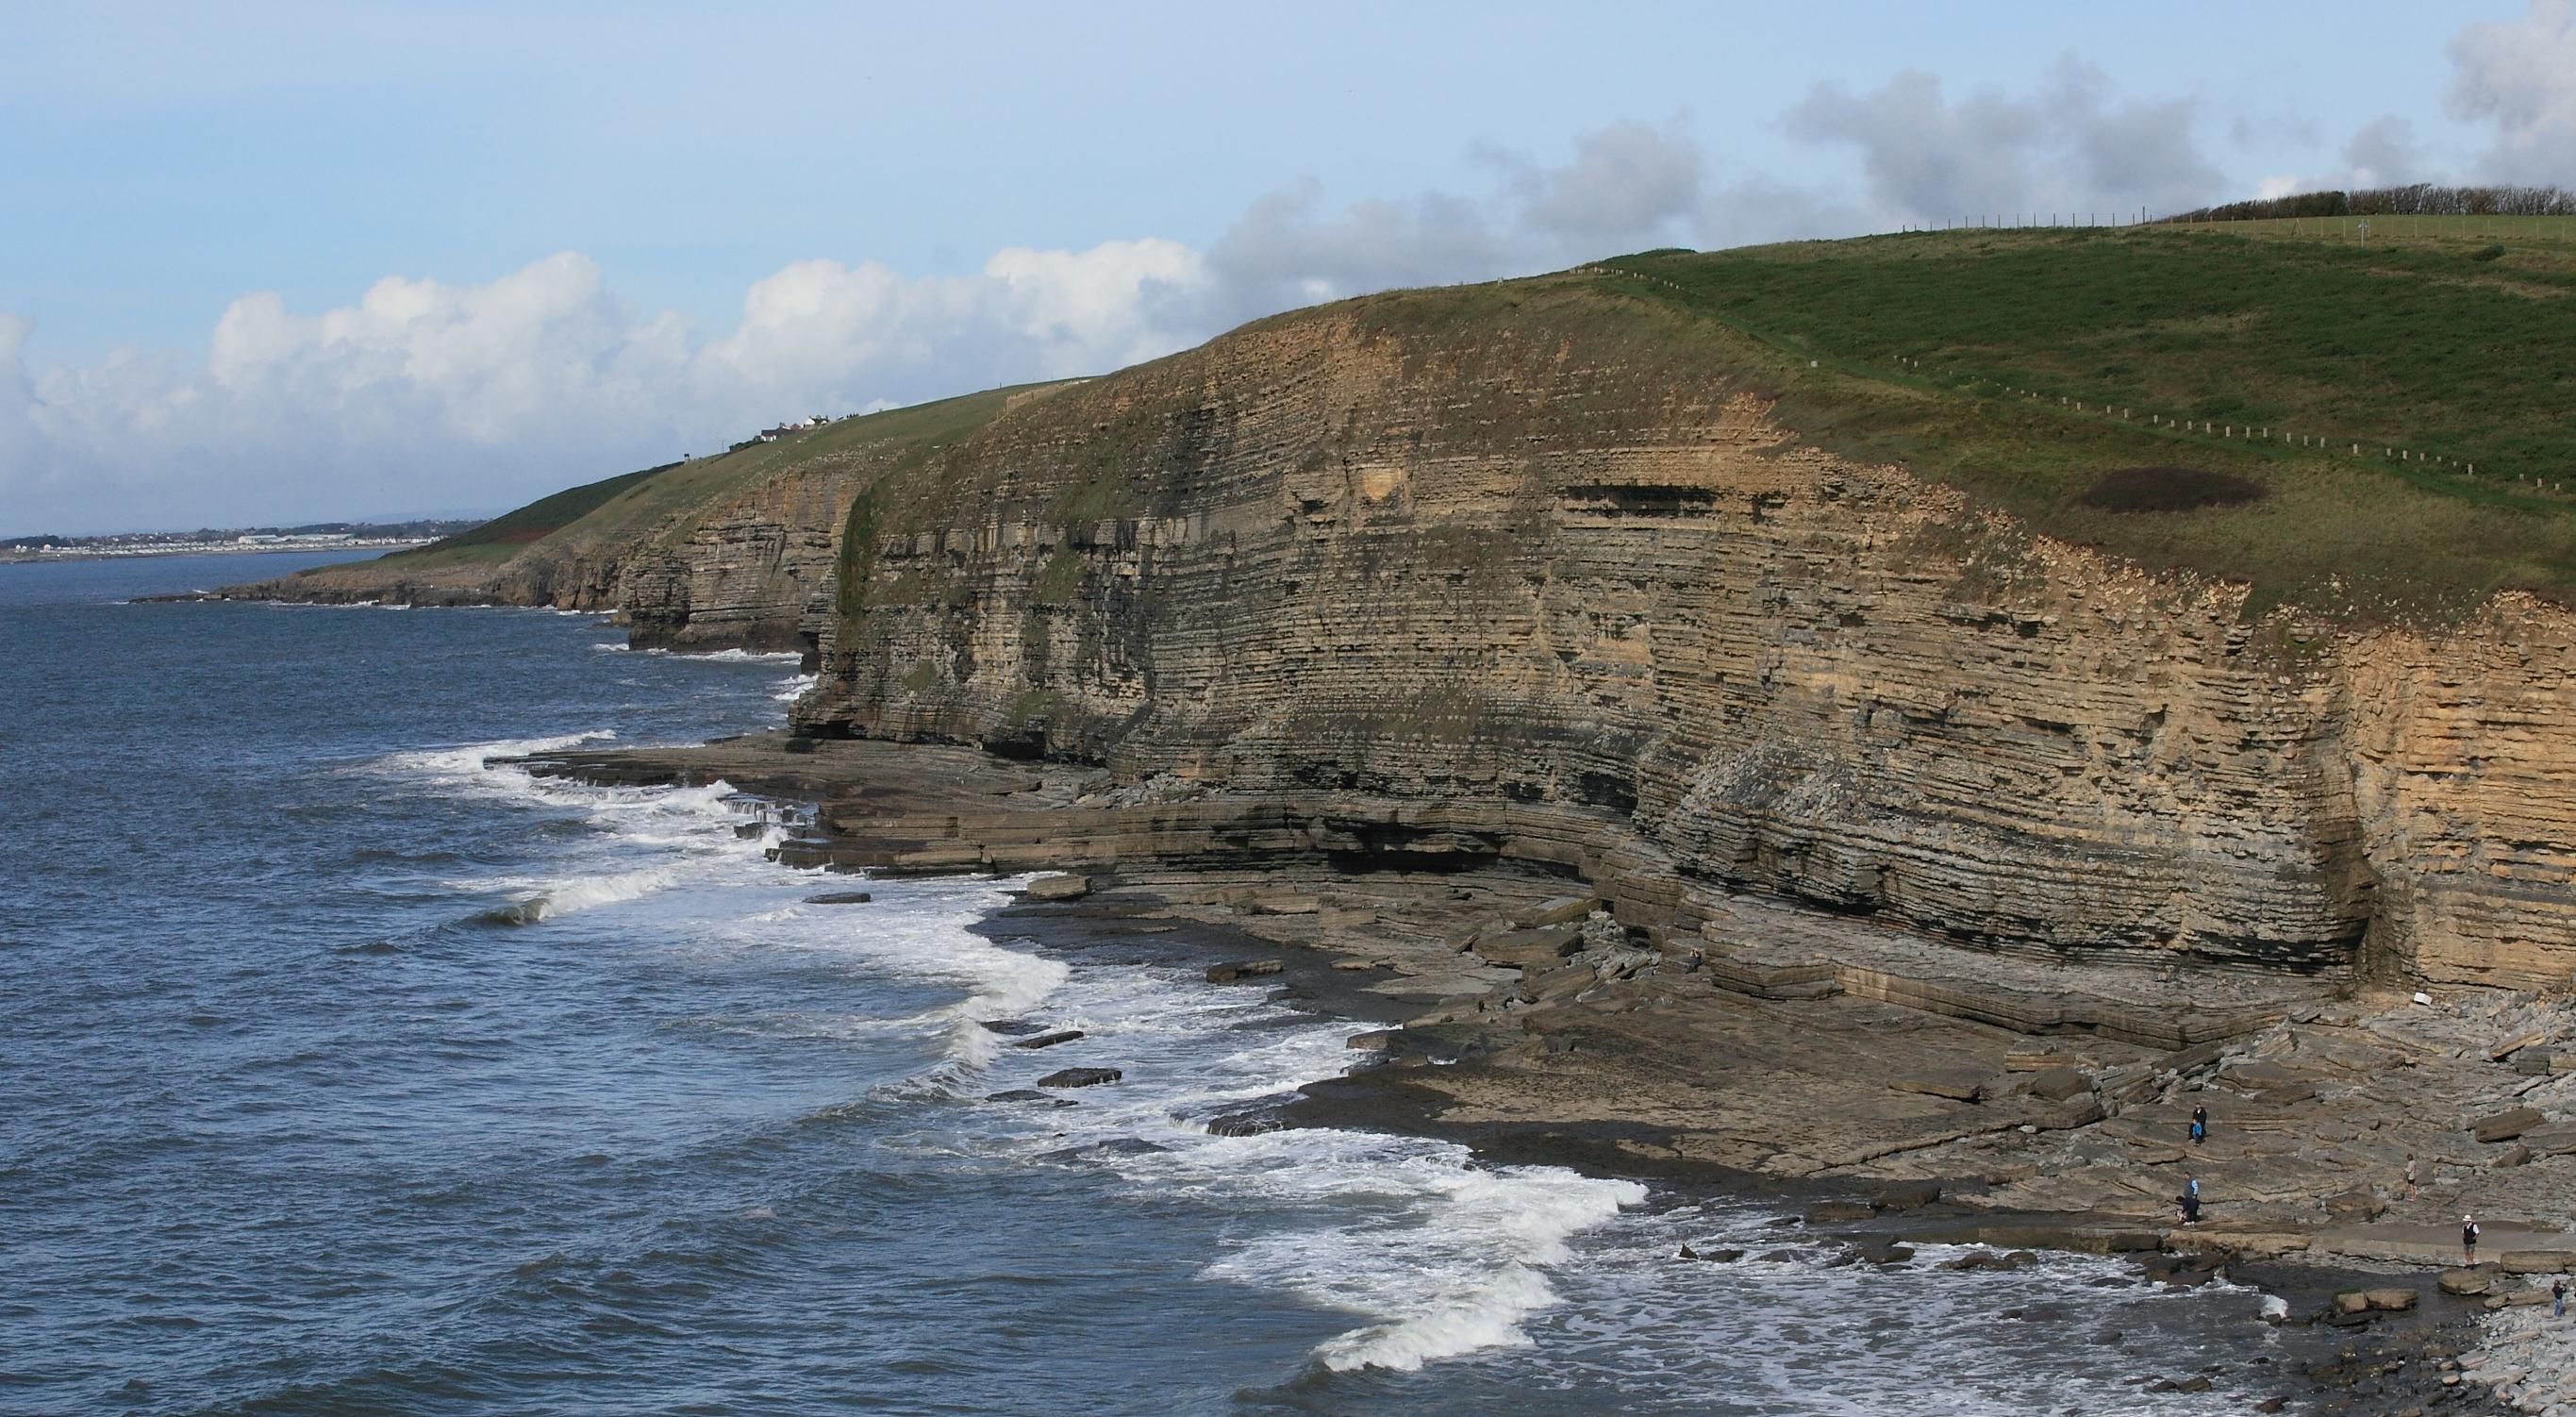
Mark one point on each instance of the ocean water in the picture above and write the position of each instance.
(345, 1073)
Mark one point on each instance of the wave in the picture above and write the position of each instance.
(584, 893)
(925, 933)
(1448, 1255)
(469, 761)
(720, 656)
(1441, 1253)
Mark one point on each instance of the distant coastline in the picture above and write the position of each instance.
(233, 541)
(204, 548)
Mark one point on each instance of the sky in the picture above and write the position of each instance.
(276, 262)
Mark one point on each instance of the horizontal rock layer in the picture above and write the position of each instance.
(1540, 572)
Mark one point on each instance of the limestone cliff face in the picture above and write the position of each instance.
(753, 572)
(1533, 564)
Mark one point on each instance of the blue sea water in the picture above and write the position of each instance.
(344, 1073)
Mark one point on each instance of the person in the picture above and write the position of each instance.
(2468, 1242)
(2191, 1207)
(2410, 1175)
(2558, 1297)
(2199, 1124)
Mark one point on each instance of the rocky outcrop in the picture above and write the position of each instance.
(753, 572)
(1552, 578)
(729, 552)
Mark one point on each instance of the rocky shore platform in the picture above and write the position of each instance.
(1891, 1085)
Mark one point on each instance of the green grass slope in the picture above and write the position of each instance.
(1966, 355)
(668, 500)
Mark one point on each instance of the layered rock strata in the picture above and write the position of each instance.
(1546, 591)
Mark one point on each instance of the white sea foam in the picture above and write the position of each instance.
(556, 898)
(747, 656)
(720, 656)
(793, 687)
(925, 931)
(467, 762)
(1447, 1255)
(651, 839)
(1440, 1254)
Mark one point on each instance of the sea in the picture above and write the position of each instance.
(346, 1071)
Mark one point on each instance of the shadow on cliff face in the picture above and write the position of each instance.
(2168, 489)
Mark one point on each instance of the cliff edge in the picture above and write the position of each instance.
(1551, 563)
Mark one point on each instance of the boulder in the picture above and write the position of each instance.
(840, 898)
(1060, 886)
(2506, 1125)
(2517, 1043)
(1081, 1077)
(1526, 949)
(1376, 1040)
(2466, 1283)
(1241, 969)
(2059, 1084)
(1029, 1094)
(1013, 1027)
(2351, 1301)
(1907, 1195)
(1712, 1256)
(1560, 910)
(2551, 1138)
(1049, 1040)
(2536, 1261)
(1958, 1084)
(2388, 1301)
(1246, 1124)
(2513, 1155)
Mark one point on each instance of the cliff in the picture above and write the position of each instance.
(728, 552)
(1549, 573)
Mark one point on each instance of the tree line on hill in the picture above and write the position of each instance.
(2414, 199)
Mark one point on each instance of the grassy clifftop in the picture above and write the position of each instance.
(2026, 366)
(2272, 401)
(608, 519)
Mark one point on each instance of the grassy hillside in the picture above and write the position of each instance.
(668, 500)
(1966, 355)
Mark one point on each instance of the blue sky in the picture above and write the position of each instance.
(287, 261)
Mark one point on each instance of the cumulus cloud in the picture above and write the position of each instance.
(2519, 77)
(1626, 180)
(2383, 153)
(2072, 145)
(424, 393)
(427, 393)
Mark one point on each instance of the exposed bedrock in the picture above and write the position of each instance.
(1563, 581)
(754, 572)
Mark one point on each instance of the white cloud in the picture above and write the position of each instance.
(424, 393)
(2519, 77)
(2383, 153)
(2071, 146)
